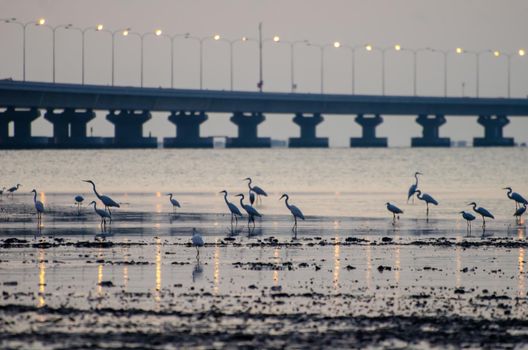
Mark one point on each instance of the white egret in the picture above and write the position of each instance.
(295, 211)
(107, 201)
(519, 212)
(427, 198)
(232, 208)
(257, 190)
(484, 213)
(78, 200)
(103, 214)
(468, 217)
(197, 241)
(251, 211)
(174, 202)
(39, 206)
(514, 196)
(13, 190)
(395, 211)
(414, 187)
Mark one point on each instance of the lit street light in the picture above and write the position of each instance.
(201, 43)
(477, 54)
(231, 54)
(39, 22)
(414, 52)
(370, 48)
(509, 56)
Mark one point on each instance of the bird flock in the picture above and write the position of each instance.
(255, 194)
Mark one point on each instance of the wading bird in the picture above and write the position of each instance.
(252, 212)
(78, 200)
(107, 201)
(232, 208)
(414, 187)
(296, 212)
(257, 190)
(103, 214)
(395, 211)
(519, 212)
(174, 202)
(514, 196)
(482, 212)
(39, 206)
(468, 217)
(427, 198)
(13, 190)
(197, 241)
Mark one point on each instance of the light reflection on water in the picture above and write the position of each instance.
(42, 277)
(337, 262)
(276, 261)
(157, 289)
(216, 273)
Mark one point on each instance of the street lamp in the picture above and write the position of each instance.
(445, 54)
(201, 42)
(322, 50)
(42, 23)
(352, 49)
(414, 52)
(142, 36)
(171, 39)
(97, 28)
(123, 32)
(370, 48)
(231, 54)
(477, 54)
(509, 56)
(38, 22)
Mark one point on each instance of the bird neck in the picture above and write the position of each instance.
(509, 194)
(418, 193)
(416, 177)
(474, 206)
(249, 184)
(225, 198)
(241, 201)
(34, 197)
(170, 197)
(95, 190)
(286, 201)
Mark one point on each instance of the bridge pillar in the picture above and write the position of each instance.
(128, 126)
(69, 129)
(431, 132)
(22, 138)
(493, 127)
(368, 138)
(308, 133)
(188, 131)
(247, 131)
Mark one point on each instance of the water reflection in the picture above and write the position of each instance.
(369, 263)
(276, 260)
(42, 277)
(521, 289)
(125, 265)
(216, 273)
(100, 273)
(157, 291)
(337, 261)
(521, 233)
(458, 260)
(197, 270)
(397, 263)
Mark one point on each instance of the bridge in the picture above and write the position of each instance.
(69, 107)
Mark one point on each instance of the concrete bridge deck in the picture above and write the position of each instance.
(70, 106)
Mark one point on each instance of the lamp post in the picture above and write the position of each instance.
(292, 45)
(201, 43)
(370, 48)
(171, 39)
(142, 36)
(231, 54)
(414, 53)
(39, 22)
(477, 55)
(124, 32)
(53, 35)
(97, 28)
(509, 56)
(352, 49)
(322, 51)
(445, 54)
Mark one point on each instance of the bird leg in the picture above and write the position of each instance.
(483, 222)
(393, 219)
(197, 252)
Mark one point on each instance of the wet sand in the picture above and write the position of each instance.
(345, 282)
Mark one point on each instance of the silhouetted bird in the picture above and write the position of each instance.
(296, 212)
(107, 201)
(232, 208)
(483, 212)
(427, 198)
(414, 187)
(395, 211)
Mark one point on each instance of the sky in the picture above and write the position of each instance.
(475, 25)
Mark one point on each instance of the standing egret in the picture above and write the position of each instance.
(296, 212)
(395, 211)
(468, 217)
(257, 190)
(232, 208)
(252, 212)
(514, 196)
(197, 241)
(107, 201)
(78, 200)
(103, 214)
(414, 187)
(13, 190)
(39, 206)
(519, 212)
(482, 212)
(428, 199)
(174, 202)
